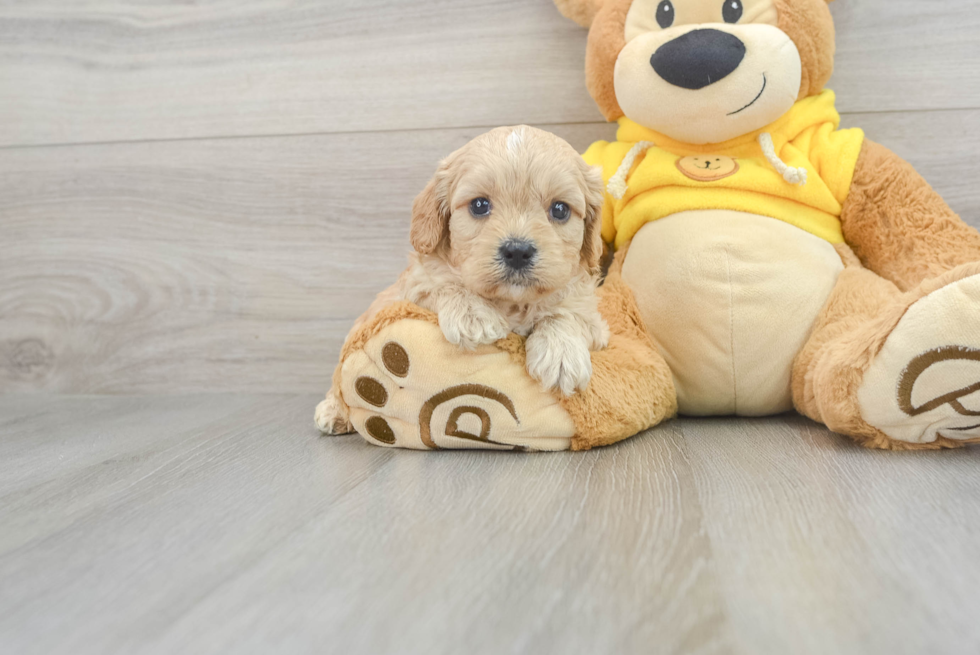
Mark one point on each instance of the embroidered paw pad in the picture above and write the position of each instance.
(409, 388)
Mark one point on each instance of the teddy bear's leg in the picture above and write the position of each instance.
(632, 386)
(405, 386)
(896, 370)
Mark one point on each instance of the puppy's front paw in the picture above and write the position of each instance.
(332, 417)
(559, 359)
(598, 333)
(469, 325)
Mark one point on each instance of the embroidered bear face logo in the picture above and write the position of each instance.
(707, 168)
(704, 71)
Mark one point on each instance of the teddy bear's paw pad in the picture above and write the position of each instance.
(409, 388)
(925, 382)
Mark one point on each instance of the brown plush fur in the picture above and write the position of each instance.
(607, 38)
(852, 329)
(898, 226)
(906, 241)
(632, 388)
(581, 11)
(811, 26)
(859, 315)
(901, 231)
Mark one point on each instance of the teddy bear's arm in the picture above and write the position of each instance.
(898, 225)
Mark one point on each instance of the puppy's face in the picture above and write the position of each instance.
(516, 212)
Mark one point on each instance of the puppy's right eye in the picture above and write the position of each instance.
(480, 208)
(665, 14)
(559, 211)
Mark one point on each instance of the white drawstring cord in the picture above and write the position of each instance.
(617, 186)
(617, 183)
(790, 174)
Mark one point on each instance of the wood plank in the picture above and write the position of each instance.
(249, 533)
(901, 55)
(240, 264)
(596, 553)
(239, 529)
(824, 547)
(135, 531)
(126, 70)
(101, 70)
(203, 266)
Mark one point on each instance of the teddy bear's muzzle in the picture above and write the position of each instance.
(698, 58)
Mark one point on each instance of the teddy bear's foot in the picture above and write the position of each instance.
(923, 387)
(408, 387)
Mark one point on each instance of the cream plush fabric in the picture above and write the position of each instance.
(401, 394)
(731, 298)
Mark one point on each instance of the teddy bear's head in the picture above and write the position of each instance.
(704, 71)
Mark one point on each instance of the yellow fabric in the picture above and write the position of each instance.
(806, 136)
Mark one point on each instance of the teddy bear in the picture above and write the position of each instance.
(764, 260)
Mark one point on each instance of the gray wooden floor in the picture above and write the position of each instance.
(198, 198)
(224, 524)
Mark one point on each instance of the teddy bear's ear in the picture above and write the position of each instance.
(580, 11)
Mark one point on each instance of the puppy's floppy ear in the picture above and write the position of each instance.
(594, 196)
(581, 11)
(431, 211)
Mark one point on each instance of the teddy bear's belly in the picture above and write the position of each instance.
(731, 299)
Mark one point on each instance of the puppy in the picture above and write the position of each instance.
(507, 239)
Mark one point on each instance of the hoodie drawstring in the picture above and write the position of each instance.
(617, 183)
(790, 174)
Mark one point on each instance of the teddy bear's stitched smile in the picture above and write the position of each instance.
(765, 81)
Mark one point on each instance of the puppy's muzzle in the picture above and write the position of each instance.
(518, 255)
(698, 58)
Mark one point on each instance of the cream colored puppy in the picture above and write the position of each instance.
(507, 239)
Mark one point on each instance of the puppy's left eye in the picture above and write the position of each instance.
(731, 11)
(480, 208)
(560, 212)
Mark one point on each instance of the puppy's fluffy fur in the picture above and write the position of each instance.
(460, 266)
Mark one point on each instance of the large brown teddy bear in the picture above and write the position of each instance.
(765, 260)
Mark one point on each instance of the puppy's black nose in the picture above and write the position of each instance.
(517, 254)
(698, 58)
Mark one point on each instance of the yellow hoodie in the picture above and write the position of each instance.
(671, 177)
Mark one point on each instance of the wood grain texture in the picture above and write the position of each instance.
(95, 71)
(206, 266)
(796, 507)
(240, 264)
(132, 70)
(224, 524)
(905, 55)
(160, 258)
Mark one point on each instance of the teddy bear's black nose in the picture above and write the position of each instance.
(698, 58)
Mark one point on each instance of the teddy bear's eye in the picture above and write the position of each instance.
(665, 13)
(731, 11)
